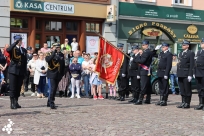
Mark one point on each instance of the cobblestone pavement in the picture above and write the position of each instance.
(84, 117)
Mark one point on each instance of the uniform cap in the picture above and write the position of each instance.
(29, 48)
(120, 45)
(135, 47)
(185, 42)
(145, 42)
(202, 41)
(17, 37)
(165, 44)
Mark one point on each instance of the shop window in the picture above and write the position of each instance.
(136, 35)
(19, 23)
(52, 40)
(53, 25)
(37, 41)
(38, 24)
(92, 27)
(72, 26)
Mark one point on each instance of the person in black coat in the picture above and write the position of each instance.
(134, 74)
(55, 73)
(199, 75)
(17, 69)
(122, 79)
(163, 72)
(145, 61)
(185, 73)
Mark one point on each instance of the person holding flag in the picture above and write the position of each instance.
(145, 61)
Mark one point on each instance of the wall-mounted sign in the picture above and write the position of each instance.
(111, 16)
(191, 36)
(155, 24)
(43, 6)
(24, 38)
(192, 29)
(152, 32)
(92, 43)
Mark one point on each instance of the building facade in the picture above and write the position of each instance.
(159, 21)
(52, 21)
(5, 22)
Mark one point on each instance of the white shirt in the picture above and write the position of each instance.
(74, 46)
(86, 63)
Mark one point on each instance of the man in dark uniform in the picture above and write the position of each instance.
(134, 75)
(26, 79)
(185, 73)
(54, 73)
(199, 74)
(145, 61)
(122, 77)
(163, 71)
(17, 70)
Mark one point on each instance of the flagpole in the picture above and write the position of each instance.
(112, 44)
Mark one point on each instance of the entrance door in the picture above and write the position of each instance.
(51, 39)
(70, 37)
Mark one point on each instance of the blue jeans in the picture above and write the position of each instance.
(41, 85)
(173, 78)
(86, 84)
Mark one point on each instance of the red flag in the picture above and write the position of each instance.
(109, 62)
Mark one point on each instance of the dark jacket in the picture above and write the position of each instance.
(75, 70)
(199, 64)
(18, 64)
(2, 59)
(165, 64)
(124, 67)
(134, 68)
(186, 63)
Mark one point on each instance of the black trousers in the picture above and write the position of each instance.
(5, 72)
(15, 83)
(122, 85)
(31, 79)
(135, 84)
(54, 84)
(26, 80)
(184, 86)
(145, 85)
(200, 86)
(163, 86)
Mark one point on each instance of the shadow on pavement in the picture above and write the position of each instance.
(20, 113)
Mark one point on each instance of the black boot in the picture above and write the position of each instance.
(122, 96)
(17, 105)
(200, 106)
(133, 97)
(164, 101)
(148, 99)
(137, 94)
(61, 94)
(13, 104)
(139, 102)
(188, 101)
(183, 102)
(65, 93)
(48, 103)
(119, 96)
(106, 95)
(159, 102)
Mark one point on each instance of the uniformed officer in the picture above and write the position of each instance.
(199, 74)
(145, 61)
(134, 75)
(122, 79)
(185, 73)
(17, 70)
(54, 73)
(163, 72)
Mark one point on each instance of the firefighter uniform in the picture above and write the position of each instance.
(54, 73)
(163, 72)
(199, 74)
(134, 75)
(185, 73)
(17, 69)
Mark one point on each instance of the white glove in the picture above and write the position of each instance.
(165, 77)
(158, 47)
(193, 76)
(138, 77)
(129, 51)
(189, 78)
(123, 75)
(131, 58)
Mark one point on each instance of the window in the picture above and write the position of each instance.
(72, 26)
(145, 1)
(53, 26)
(37, 41)
(179, 1)
(92, 27)
(182, 2)
(38, 24)
(19, 23)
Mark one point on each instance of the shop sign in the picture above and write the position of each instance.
(191, 36)
(155, 24)
(43, 6)
(142, 10)
(152, 32)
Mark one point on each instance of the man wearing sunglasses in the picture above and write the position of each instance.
(185, 74)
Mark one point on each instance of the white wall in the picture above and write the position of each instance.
(5, 22)
(110, 32)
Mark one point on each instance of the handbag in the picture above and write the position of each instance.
(75, 75)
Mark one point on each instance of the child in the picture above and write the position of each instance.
(95, 82)
(1, 82)
(112, 91)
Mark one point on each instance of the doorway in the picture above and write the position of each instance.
(193, 47)
(70, 37)
(53, 39)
